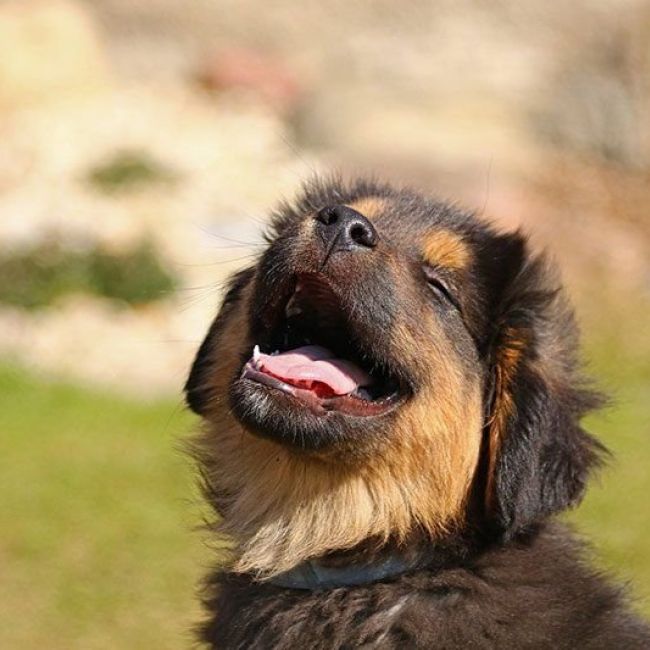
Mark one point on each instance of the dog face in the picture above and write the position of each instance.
(376, 373)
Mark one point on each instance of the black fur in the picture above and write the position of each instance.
(540, 472)
(528, 594)
(197, 386)
(508, 579)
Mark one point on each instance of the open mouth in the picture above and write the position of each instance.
(311, 355)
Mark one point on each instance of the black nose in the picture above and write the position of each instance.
(347, 227)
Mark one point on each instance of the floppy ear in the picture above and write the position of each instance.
(197, 387)
(538, 456)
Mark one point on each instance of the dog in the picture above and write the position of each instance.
(391, 402)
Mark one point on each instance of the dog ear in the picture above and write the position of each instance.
(197, 387)
(538, 455)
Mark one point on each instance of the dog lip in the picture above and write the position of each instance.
(257, 376)
(344, 404)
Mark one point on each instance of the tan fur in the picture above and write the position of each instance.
(284, 507)
(444, 248)
(370, 206)
(508, 358)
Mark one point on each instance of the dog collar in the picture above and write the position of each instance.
(311, 575)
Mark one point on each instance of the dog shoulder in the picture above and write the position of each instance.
(508, 597)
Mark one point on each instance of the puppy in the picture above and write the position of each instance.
(392, 416)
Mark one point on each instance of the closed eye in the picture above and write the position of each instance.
(439, 287)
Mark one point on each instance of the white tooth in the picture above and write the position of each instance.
(275, 352)
(256, 354)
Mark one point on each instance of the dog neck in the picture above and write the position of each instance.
(317, 574)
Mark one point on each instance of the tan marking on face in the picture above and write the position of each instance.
(370, 206)
(280, 507)
(445, 248)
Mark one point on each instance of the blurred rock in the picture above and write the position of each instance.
(437, 95)
(231, 162)
(597, 98)
(49, 49)
(144, 351)
(247, 71)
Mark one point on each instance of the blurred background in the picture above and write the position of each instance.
(143, 142)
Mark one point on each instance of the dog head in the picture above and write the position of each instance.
(390, 365)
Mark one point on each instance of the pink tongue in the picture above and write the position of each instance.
(311, 364)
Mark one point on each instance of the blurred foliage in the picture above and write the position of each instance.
(38, 276)
(128, 171)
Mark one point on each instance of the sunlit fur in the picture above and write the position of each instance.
(280, 507)
(444, 248)
(483, 447)
(370, 206)
(508, 357)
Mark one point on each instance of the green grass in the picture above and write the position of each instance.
(615, 516)
(97, 549)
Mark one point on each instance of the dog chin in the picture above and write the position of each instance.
(301, 421)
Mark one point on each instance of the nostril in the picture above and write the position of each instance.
(362, 234)
(358, 234)
(327, 216)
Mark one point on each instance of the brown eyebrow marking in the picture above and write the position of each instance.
(445, 248)
(369, 206)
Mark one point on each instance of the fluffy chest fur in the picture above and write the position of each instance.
(535, 593)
